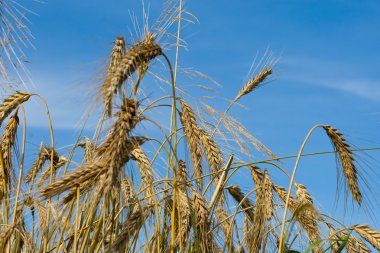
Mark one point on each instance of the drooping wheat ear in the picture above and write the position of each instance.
(244, 202)
(117, 53)
(44, 155)
(354, 244)
(370, 235)
(263, 211)
(346, 160)
(7, 142)
(141, 53)
(48, 171)
(192, 135)
(254, 82)
(214, 155)
(89, 150)
(11, 103)
(146, 174)
(203, 224)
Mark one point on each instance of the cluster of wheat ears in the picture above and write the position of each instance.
(99, 207)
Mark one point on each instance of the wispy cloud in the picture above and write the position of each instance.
(335, 75)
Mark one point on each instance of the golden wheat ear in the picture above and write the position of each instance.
(193, 137)
(11, 103)
(369, 234)
(7, 142)
(346, 160)
(241, 199)
(136, 56)
(253, 83)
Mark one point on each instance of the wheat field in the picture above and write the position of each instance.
(167, 188)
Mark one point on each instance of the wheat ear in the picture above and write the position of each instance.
(146, 174)
(346, 160)
(307, 219)
(7, 142)
(214, 155)
(44, 155)
(263, 211)
(355, 245)
(11, 103)
(370, 235)
(254, 83)
(243, 201)
(117, 53)
(137, 55)
(192, 134)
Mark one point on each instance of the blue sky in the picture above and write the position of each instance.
(327, 72)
